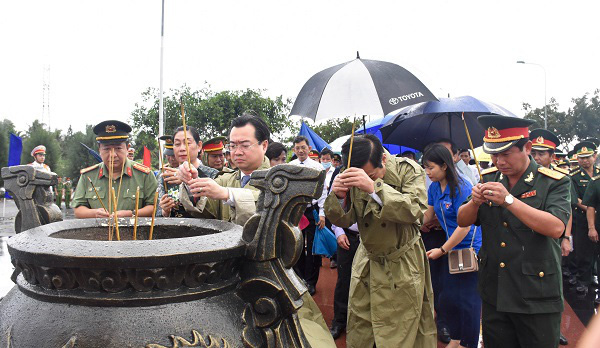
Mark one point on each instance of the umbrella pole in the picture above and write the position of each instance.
(472, 148)
(347, 198)
(351, 141)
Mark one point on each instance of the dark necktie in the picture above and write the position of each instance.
(245, 180)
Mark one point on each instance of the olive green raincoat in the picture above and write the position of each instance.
(391, 298)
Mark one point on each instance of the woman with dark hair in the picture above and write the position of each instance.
(276, 153)
(169, 203)
(459, 301)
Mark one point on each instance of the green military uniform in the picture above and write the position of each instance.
(213, 146)
(391, 298)
(583, 245)
(216, 209)
(134, 175)
(59, 192)
(520, 279)
(68, 193)
(311, 319)
(592, 199)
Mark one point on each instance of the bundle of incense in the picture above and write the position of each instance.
(162, 167)
(187, 149)
(114, 197)
(153, 215)
(135, 224)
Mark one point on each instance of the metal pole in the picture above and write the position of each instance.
(545, 85)
(160, 95)
(545, 101)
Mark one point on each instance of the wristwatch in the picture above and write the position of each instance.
(508, 200)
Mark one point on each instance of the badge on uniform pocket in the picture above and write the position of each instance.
(528, 194)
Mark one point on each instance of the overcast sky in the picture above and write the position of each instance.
(103, 54)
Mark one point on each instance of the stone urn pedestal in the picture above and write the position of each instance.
(198, 283)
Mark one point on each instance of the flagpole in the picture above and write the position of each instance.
(160, 96)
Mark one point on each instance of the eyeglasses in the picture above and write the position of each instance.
(300, 148)
(232, 147)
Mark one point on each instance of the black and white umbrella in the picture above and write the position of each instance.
(359, 87)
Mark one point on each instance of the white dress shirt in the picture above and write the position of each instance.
(315, 165)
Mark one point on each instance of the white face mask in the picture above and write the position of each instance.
(326, 165)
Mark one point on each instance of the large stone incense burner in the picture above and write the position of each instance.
(198, 283)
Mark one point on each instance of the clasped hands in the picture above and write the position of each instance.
(494, 192)
(102, 213)
(352, 177)
(201, 187)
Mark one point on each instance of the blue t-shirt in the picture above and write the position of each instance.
(443, 204)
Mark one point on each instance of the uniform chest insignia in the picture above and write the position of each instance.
(583, 180)
(100, 173)
(529, 177)
(501, 176)
(529, 194)
(447, 204)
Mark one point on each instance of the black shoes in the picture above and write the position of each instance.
(563, 340)
(581, 289)
(444, 335)
(573, 281)
(336, 330)
(311, 289)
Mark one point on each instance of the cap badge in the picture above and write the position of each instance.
(493, 133)
(111, 129)
(584, 149)
(539, 140)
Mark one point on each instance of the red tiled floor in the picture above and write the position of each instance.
(571, 326)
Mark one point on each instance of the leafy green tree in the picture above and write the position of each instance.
(209, 111)
(38, 135)
(75, 155)
(585, 115)
(334, 128)
(558, 121)
(579, 122)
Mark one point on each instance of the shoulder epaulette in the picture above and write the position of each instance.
(551, 173)
(575, 171)
(85, 170)
(489, 170)
(141, 168)
(561, 170)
